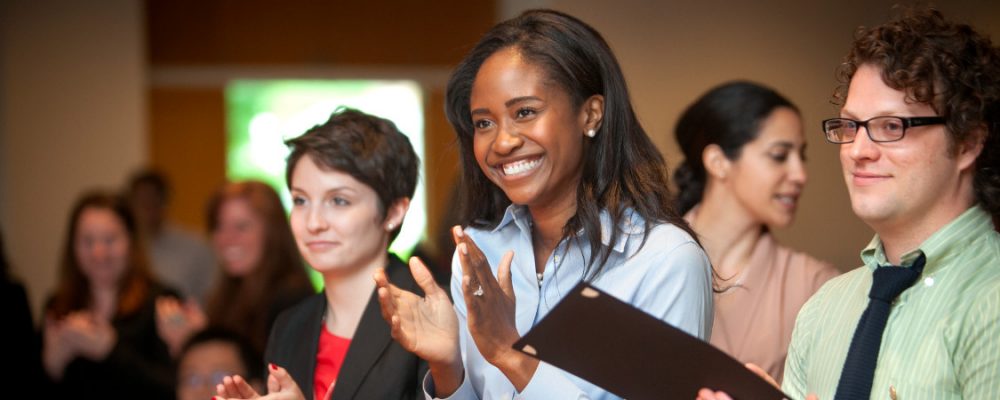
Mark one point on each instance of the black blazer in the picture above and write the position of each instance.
(138, 365)
(375, 367)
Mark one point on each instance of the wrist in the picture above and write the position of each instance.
(447, 376)
(518, 367)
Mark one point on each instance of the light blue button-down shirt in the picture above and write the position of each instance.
(669, 277)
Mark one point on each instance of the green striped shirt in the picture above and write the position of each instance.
(942, 339)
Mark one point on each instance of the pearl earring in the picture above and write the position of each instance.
(390, 226)
(591, 133)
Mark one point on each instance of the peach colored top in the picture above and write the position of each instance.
(755, 313)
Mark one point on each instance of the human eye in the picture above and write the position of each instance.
(779, 157)
(524, 112)
(340, 201)
(298, 201)
(891, 125)
(482, 124)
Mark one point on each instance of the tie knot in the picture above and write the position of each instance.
(889, 281)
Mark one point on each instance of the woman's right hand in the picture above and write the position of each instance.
(57, 352)
(176, 322)
(426, 326)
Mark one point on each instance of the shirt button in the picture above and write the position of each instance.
(928, 281)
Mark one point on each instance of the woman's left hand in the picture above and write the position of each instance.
(93, 337)
(491, 308)
(280, 386)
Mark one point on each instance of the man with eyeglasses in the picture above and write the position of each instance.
(920, 150)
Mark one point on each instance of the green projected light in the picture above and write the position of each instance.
(262, 114)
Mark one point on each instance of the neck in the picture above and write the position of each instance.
(727, 232)
(547, 229)
(907, 234)
(347, 293)
(103, 301)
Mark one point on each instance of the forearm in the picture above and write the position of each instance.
(54, 363)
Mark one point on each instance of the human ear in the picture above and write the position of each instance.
(395, 212)
(970, 148)
(715, 161)
(592, 113)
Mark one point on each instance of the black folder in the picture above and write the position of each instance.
(634, 355)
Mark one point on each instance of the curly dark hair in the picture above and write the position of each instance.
(947, 65)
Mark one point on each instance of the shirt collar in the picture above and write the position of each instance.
(632, 224)
(945, 243)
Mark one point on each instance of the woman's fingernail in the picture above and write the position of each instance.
(273, 367)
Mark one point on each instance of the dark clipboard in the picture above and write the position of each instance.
(632, 354)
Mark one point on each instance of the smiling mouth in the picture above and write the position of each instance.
(788, 200)
(520, 167)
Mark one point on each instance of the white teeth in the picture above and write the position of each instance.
(786, 199)
(518, 167)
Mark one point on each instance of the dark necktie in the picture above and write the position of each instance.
(859, 367)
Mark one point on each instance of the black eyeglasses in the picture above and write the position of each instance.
(880, 129)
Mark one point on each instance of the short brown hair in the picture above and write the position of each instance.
(947, 65)
(369, 148)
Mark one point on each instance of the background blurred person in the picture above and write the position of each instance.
(261, 271)
(743, 173)
(100, 338)
(26, 353)
(208, 357)
(179, 258)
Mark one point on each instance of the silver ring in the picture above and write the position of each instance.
(478, 292)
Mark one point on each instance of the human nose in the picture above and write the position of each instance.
(797, 171)
(507, 140)
(315, 220)
(862, 148)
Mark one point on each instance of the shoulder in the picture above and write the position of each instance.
(837, 289)
(667, 243)
(294, 316)
(803, 269)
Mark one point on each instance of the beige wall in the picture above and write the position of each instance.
(71, 117)
(674, 51)
(73, 97)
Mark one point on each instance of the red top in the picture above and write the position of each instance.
(329, 358)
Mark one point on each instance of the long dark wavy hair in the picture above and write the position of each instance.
(73, 288)
(622, 168)
(729, 116)
(947, 65)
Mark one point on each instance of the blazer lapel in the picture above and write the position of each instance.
(368, 345)
(305, 359)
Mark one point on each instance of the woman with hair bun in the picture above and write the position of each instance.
(743, 174)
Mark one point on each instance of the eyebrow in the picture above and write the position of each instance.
(337, 189)
(508, 103)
